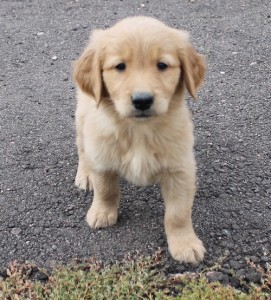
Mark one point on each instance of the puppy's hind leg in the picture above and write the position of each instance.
(83, 175)
(104, 209)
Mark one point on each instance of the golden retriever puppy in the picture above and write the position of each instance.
(132, 121)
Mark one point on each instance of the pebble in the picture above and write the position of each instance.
(226, 271)
(36, 274)
(152, 200)
(234, 264)
(230, 246)
(226, 279)
(235, 226)
(54, 57)
(226, 232)
(21, 209)
(254, 277)
(215, 276)
(3, 273)
(241, 273)
(42, 276)
(16, 231)
(265, 259)
(234, 282)
(37, 230)
(253, 258)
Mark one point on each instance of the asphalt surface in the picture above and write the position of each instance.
(42, 213)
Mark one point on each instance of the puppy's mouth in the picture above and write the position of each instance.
(142, 114)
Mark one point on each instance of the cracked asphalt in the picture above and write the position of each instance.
(42, 213)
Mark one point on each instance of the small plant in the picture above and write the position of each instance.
(18, 284)
(136, 277)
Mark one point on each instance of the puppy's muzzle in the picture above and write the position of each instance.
(142, 101)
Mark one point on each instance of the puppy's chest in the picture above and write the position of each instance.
(141, 164)
(137, 161)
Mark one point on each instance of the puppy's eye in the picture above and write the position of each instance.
(162, 66)
(120, 67)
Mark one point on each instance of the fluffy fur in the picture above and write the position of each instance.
(112, 141)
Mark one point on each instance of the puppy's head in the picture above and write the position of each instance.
(139, 64)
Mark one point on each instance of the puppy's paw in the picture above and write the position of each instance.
(187, 248)
(83, 181)
(100, 217)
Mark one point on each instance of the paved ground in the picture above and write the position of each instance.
(42, 213)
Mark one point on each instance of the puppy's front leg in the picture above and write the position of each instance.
(178, 191)
(104, 209)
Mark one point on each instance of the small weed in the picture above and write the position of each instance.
(135, 278)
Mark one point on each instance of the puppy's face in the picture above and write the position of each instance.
(139, 64)
(141, 72)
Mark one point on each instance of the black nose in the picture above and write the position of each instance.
(142, 101)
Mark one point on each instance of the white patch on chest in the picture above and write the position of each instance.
(140, 165)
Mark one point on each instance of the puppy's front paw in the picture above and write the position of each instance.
(187, 248)
(83, 181)
(101, 217)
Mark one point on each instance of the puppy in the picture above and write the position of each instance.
(132, 121)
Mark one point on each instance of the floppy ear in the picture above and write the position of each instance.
(87, 71)
(193, 69)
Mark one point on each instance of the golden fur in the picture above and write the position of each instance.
(113, 142)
